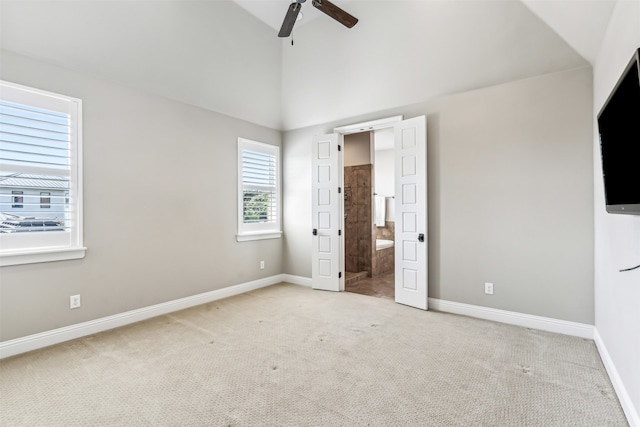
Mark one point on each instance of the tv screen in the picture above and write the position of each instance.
(619, 127)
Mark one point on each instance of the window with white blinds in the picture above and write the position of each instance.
(40, 176)
(258, 190)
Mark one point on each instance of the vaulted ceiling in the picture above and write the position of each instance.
(224, 55)
(580, 23)
(272, 12)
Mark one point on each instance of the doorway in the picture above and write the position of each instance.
(369, 193)
(410, 225)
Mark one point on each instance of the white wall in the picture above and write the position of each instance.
(384, 182)
(401, 53)
(384, 173)
(510, 195)
(160, 197)
(617, 237)
(211, 54)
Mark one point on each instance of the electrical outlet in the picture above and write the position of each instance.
(261, 265)
(74, 301)
(488, 288)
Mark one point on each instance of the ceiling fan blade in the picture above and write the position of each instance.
(335, 12)
(290, 19)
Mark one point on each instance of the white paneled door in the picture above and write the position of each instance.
(327, 271)
(411, 212)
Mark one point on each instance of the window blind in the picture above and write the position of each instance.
(35, 159)
(259, 187)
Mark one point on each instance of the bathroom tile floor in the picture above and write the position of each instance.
(352, 278)
(381, 286)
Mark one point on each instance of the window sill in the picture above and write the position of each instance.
(41, 255)
(246, 237)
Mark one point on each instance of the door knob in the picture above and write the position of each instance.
(315, 231)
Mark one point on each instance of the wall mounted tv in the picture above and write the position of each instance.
(619, 127)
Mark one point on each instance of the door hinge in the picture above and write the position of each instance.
(339, 147)
(340, 275)
(339, 190)
(339, 232)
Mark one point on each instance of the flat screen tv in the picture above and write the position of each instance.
(619, 127)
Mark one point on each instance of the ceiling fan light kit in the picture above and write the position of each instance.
(324, 6)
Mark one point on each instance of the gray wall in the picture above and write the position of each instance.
(510, 195)
(160, 204)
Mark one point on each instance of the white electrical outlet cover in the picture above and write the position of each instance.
(488, 288)
(74, 301)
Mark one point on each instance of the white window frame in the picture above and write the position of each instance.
(28, 248)
(258, 231)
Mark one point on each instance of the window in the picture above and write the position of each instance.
(17, 201)
(258, 191)
(45, 200)
(40, 176)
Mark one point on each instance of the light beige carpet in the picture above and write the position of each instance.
(290, 356)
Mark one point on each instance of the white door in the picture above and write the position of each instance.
(411, 212)
(327, 241)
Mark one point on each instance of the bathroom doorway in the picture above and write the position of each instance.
(369, 193)
(329, 255)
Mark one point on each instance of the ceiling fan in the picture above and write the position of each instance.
(322, 5)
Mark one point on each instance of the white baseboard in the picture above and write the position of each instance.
(56, 336)
(633, 416)
(296, 280)
(513, 318)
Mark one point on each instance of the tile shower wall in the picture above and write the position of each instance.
(357, 208)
